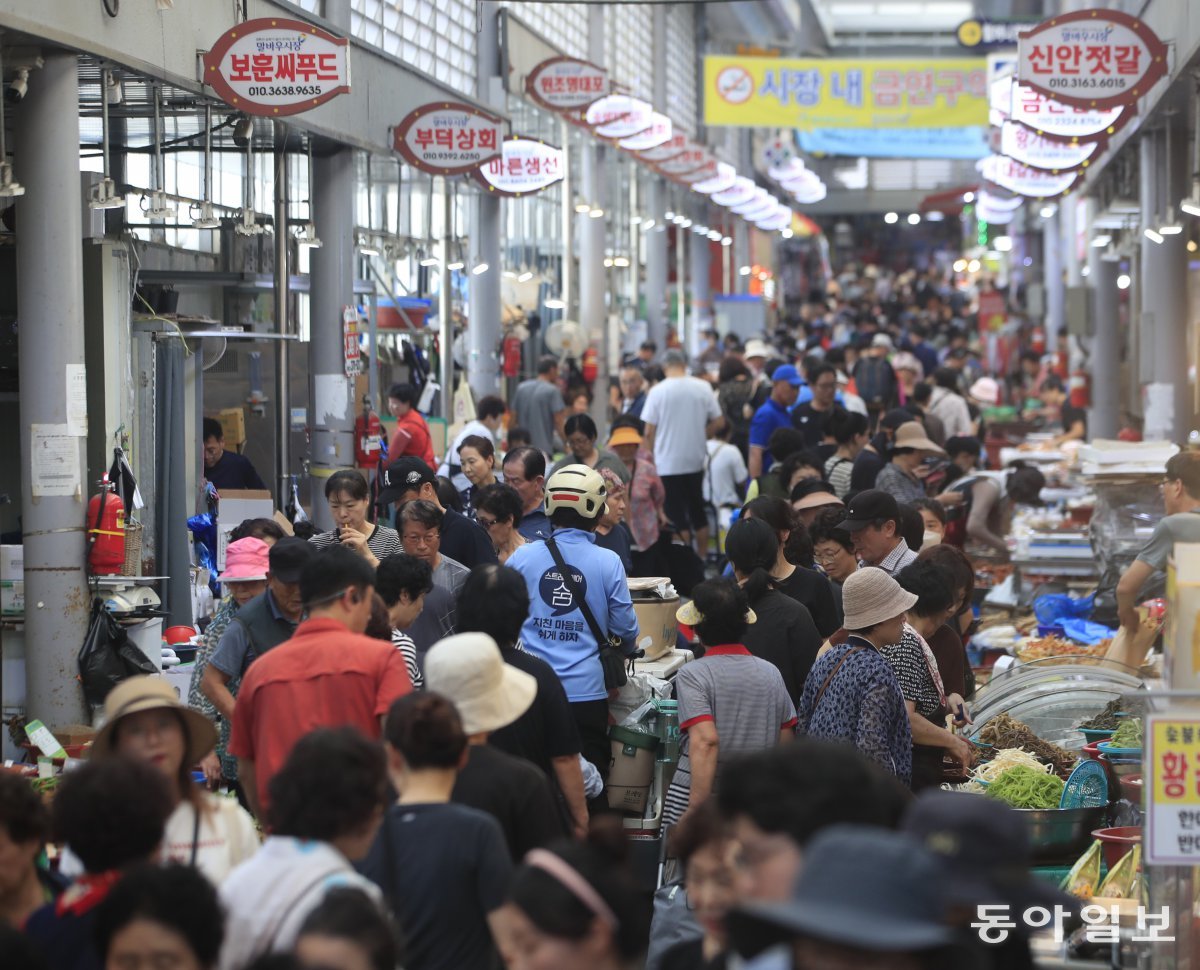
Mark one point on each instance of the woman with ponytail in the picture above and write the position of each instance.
(784, 633)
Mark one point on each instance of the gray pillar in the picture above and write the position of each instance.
(741, 254)
(656, 263)
(1069, 227)
(1052, 260)
(332, 408)
(283, 397)
(1104, 420)
(483, 326)
(50, 317)
(337, 12)
(701, 301)
(591, 245)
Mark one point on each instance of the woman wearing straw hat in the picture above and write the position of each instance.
(146, 721)
(852, 693)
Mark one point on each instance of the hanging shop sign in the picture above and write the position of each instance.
(525, 166)
(675, 145)
(993, 313)
(684, 162)
(1057, 121)
(1092, 58)
(806, 94)
(810, 194)
(1030, 148)
(780, 219)
(704, 173)
(740, 192)
(658, 133)
(619, 116)
(758, 201)
(273, 67)
(1033, 183)
(978, 34)
(351, 345)
(566, 84)
(448, 138)
(722, 179)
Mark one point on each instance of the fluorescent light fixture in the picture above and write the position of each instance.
(647, 225)
(935, 216)
(103, 196)
(429, 261)
(914, 218)
(1191, 245)
(960, 265)
(1123, 281)
(479, 270)
(726, 241)
(1170, 229)
(1003, 244)
(786, 233)
(456, 265)
(596, 214)
(973, 266)
(635, 220)
(554, 304)
(968, 197)
(891, 218)
(744, 271)
(1099, 242)
(1048, 211)
(10, 188)
(583, 208)
(686, 224)
(621, 262)
(1190, 206)
(608, 262)
(1085, 271)
(669, 215)
(714, 235)
(369, 249)
(525, 277)
(1153, 236)
(508, 274)
(308, 238)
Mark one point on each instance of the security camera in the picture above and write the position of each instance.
(243, 131)
(15, 89)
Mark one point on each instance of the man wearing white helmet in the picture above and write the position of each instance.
(557, 630)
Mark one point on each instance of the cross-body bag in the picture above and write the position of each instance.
(612, 660)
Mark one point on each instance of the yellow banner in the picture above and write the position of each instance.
(775, 92)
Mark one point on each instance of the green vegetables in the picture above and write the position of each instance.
(1024, 787)
(1128, 735)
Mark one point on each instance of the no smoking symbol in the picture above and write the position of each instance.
(735, 85)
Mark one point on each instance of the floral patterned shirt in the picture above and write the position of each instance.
(196, 698)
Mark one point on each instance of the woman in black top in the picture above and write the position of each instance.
(785, 633)
(806, 586)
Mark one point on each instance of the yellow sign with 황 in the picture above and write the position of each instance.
(1171, 776)
(775, 92)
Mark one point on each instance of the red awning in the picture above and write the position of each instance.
(950, 201)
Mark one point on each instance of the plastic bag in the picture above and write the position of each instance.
(108, 656)
(637, 696)
(1053, 608)
(1086, 632)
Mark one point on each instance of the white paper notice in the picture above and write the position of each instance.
(54, 461)
(77, 410)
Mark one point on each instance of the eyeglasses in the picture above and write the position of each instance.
(828, 556)
(428, 539)
(486, 523)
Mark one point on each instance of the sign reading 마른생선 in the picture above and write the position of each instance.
(525, 166)
(844, 93)
(448, 138)
(274, 67)
(1092, 58)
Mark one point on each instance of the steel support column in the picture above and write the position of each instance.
(1056, 297)
(50, 324)
(331, 409)
(656, 263)
(283, 397)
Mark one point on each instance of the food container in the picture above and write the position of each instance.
(178, 634)
(1096, 734)
(1131, 789)
(1115, 842)
(1061, 834)
(632, 768)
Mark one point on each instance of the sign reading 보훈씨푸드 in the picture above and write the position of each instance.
(1092, 58)
(807, 94)
(273, 67)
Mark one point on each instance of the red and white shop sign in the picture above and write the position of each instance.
(525, 166)
(566, 84)
(1091, 58)
(780, 219)
(704, 173)
(810, 194)
(448, 138)
(1033, 183)
(619, 116)
(659, 133)
(1030, 148)
(993, 313)
(675, 145)
(722, 179)
(755, 205)
(685, 162)
(740, 192)
(1064, 122)
(273, 67)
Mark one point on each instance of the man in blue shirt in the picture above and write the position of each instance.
(556, 629)
(525, 471)
(226, 469)
(785, 387)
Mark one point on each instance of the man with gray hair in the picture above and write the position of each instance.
(680, 413)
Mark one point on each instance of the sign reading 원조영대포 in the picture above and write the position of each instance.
(844, 93)
(273, 67)
(566, 83)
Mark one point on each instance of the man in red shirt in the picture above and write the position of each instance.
(411, 436)
(327, 675)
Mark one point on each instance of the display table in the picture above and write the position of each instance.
(666, 666)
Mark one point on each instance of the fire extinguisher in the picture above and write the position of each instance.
(1037, 340)
(589, 366)
(106, 531)
(368, 436)
(511, 355)
(1080, 389)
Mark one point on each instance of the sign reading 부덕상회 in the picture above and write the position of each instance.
(273, 67)
(1092, 58)
(448, 138)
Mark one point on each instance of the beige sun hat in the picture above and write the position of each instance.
(688, 615)
(151, 693)
(871, 596)
(469, 669)
(911, 434)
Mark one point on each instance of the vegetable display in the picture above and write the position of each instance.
(1006, 759)
(1025, 787)
(1107, 719)
(1005, 731)
(1128, 735)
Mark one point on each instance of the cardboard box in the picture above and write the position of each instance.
(632, 769)
(237, 505)
(657, 627)
(233, 427)
(12, 580)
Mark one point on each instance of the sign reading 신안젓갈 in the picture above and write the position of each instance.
(273, 67)
(566, 84)
(525, 166)
(1171, 779)
(808, 94)
(1092, 58)
(448, 138)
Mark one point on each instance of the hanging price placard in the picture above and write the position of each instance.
(351, 349)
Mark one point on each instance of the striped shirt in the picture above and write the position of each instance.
(404, 643)
(895, 560)
(837, 473)
(743, 695)
(383, 542)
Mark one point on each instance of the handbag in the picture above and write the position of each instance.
(612, 660)
(108, 656)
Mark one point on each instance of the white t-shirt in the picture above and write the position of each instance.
(726, 471)
(268, 898)
(680, 409)
(227, 838)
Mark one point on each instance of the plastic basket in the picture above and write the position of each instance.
(1087, 787)
(133, 549)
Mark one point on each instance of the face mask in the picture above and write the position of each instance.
(931, 539)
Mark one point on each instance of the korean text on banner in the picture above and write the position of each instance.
(1171, 776)
(808, 94)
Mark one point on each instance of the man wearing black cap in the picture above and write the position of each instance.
(462, 540)
(873, 521)
(263, 623)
